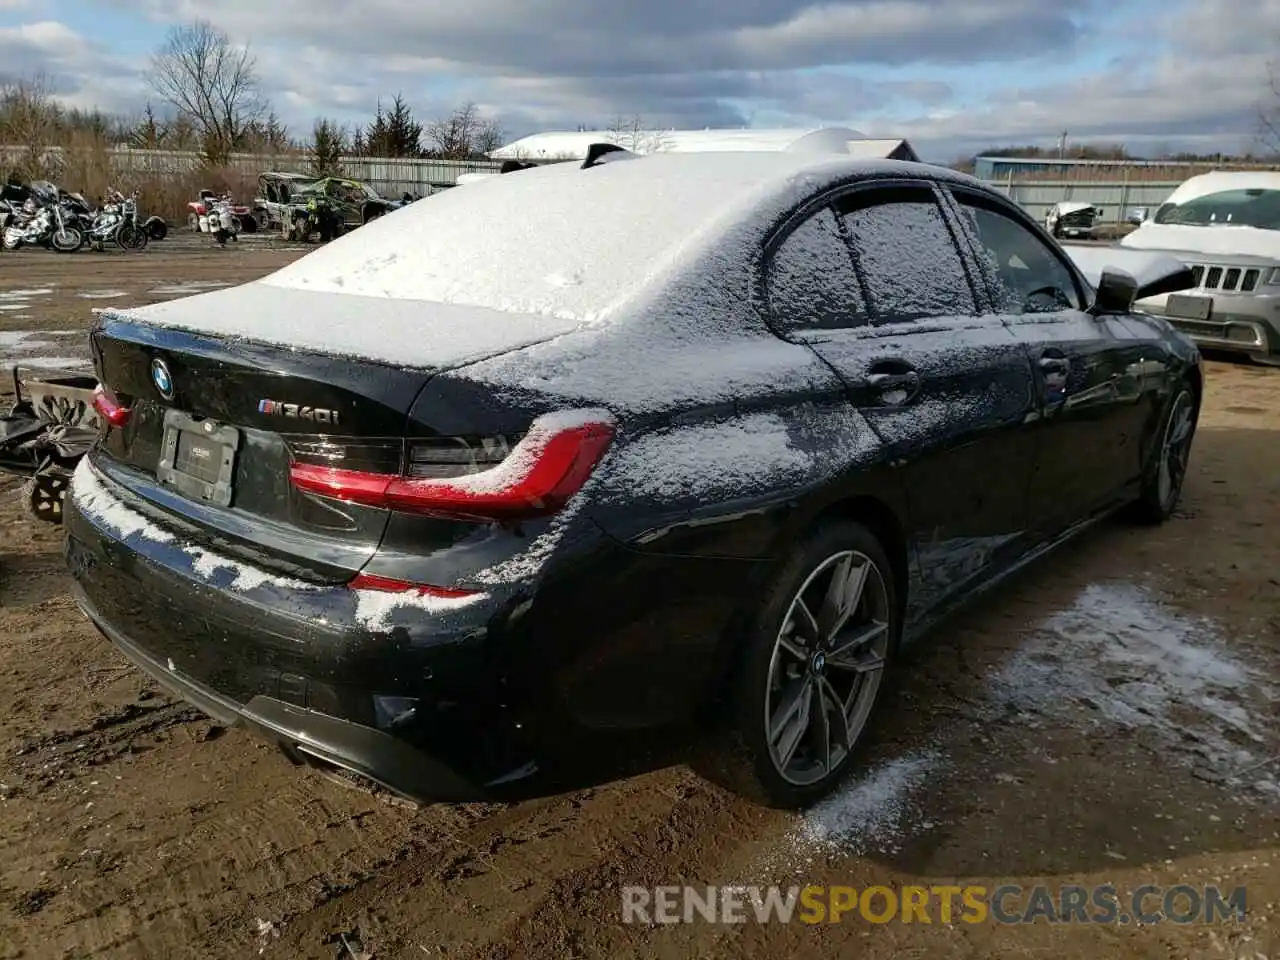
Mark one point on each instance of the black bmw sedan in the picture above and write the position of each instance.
(589, 448)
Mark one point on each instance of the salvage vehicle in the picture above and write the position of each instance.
(356, 203)
(275, 191)
(711, 435)
(1072, 219)
(1226, 227)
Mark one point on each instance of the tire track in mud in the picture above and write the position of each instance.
(543, 877)
(44, 763)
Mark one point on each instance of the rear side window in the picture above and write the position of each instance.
(812, 283)
(1029, 275)
(906, 255)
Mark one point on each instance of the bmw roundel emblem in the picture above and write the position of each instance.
(161, 377)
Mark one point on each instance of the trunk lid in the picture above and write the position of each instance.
(213, 427)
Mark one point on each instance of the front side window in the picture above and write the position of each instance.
(906, 255)
(812, 284)
(1227, 208)
(1030, 277)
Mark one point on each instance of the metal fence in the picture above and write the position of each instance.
(1116, 197)
(389, 176)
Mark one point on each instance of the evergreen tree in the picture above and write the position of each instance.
(404, 134)
(377, 139)
(328, 143)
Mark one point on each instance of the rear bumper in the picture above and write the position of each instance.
(424, 705)
(378, 756)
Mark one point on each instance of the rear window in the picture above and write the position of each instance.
(557, 240)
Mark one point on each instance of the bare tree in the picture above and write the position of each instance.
(30, 120)
(1269, 111)
(632, 133)
(489, 137)
(459, 135)
(212, 83)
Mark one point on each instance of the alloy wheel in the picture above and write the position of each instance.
(1176, 449)
(827, 664)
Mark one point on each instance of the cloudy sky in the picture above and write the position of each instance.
(951, 75)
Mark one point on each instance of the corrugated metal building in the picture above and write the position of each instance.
(1005, 168)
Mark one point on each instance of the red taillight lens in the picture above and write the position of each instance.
(109, 408)
(368, 581)
(539, 475)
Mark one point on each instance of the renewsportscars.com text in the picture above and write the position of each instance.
(1005, 904)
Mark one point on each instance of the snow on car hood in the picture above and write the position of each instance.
(410, 333)
(1071, 206)
(1155, 271)
(1213, 241)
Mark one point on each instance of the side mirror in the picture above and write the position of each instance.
(1117, 290)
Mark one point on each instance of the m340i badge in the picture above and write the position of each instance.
(296, 411)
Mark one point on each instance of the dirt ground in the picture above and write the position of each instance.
(1113, 716)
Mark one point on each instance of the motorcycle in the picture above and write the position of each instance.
(117, 222)
(221, 221)
(45, 219)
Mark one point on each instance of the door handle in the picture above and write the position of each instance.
(894, 381)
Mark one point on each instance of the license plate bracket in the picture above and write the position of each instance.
(1186, 307)
(198, 458)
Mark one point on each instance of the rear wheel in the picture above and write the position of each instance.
(812, 661)
(1162, 484)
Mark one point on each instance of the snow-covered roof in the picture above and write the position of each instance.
(550, 248)
(1222, 180)
(574, 145)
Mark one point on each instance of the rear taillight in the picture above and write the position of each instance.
(487, 479)
(109, 408)
(368, 581)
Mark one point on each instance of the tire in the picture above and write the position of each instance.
(157, 229)
(67, 240)
(776, 666)
(44, 495)
(249, 224)
(131, 237)
(1165, 474)
(193, 223)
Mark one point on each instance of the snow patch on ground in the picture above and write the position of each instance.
(52, 363)
(11, 295)
(102, 294)
(22, 340)
(874, 812)
(1116, 658)
(1120, 657)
